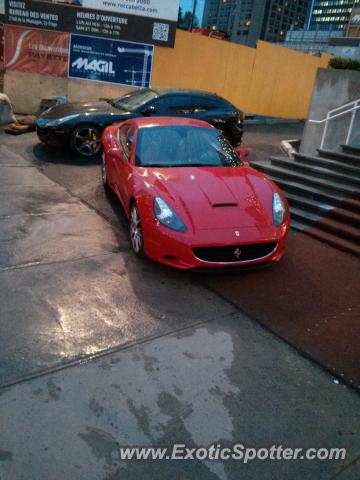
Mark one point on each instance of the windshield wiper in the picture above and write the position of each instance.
(156, 165)
(178, 165)
(199, 165)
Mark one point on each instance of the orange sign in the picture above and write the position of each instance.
(36, 51)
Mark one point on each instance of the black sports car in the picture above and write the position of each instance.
(80, 125)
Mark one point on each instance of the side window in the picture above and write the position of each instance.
(203, 104)
(159, 104)
(126, 135)
(178, 105)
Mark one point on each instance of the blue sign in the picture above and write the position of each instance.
(111, 61)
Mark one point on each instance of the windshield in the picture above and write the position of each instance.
(184, 146)
(134, 100)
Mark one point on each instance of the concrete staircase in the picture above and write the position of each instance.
(323, 192)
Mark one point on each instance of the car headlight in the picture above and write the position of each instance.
(279, 209)
(44, 122)
(167, 216)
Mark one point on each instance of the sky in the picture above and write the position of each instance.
(187, 5)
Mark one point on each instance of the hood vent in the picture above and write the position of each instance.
(222, 205)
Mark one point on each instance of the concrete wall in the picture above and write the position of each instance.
(333, 88)
(268, 80)
(82, 90)
(26, 90)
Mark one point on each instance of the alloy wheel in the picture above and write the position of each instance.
(136, 233)
(104, 171)
(86, 141)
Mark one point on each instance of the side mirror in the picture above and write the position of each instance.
(114, 152)
(149, 110)
(242, 153)
(130, 141)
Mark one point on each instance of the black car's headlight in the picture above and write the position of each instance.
(166, 215)
(279, 209)
(218, 121)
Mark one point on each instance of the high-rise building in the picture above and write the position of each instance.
(247, 21)
(354, 23)
(217, 14)
(311, 41)
(328, 24)
(329, 14)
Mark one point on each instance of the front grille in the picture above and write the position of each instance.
(41, 132)
(234, 253)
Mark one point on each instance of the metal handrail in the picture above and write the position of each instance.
(355, 105)
(335, 116)
(346, 105)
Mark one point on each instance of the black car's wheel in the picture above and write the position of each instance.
(136, 233)
(85, 140)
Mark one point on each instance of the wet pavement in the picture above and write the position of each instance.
(311, 299)
(224, 382)
(61, 311)
(99, 349)
(66, 292)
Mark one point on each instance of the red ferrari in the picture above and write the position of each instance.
(191, 200)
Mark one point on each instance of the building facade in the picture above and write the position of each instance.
(329, 14)
(217, 14)
(311, 41)
(354, 23)
(329, 24)
(247, 21)
(347, 47)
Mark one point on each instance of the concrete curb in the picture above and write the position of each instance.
(255, 120)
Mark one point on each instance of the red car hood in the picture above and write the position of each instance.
(216, 197)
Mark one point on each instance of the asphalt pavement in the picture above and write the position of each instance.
(315, 286)
(100, 350)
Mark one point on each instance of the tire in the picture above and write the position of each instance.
(85, 140)
(104, 175)
(136, 233)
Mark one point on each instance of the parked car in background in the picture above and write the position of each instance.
(191, 200)
(80, 125)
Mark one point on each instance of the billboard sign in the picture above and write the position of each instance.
(111, 61)
(145, 21)
(36, 51)
(164, 9)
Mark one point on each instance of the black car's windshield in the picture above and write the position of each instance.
(134, 100)
(183, 146)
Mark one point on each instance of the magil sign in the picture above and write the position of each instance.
(147, 21)
(111, 61)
